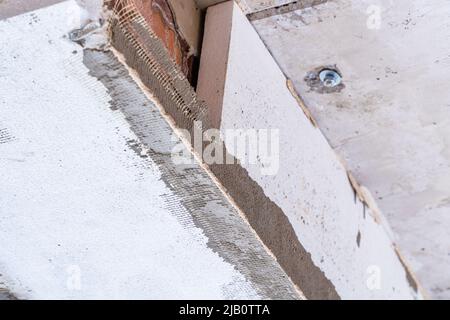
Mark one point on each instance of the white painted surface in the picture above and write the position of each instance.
(391, 122)
(311, 186)
(75, 199)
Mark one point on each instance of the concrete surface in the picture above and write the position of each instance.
(343, 238)
(92, 204)
(391, 121)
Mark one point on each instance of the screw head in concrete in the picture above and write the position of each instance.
(330, 78)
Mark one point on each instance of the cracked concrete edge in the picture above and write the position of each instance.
(301, 102)
(366, 197)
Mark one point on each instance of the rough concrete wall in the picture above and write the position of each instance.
(327, 239)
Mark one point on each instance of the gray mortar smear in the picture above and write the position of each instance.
(228, 234)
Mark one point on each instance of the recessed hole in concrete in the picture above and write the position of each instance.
(325, 79)
(330, 78)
